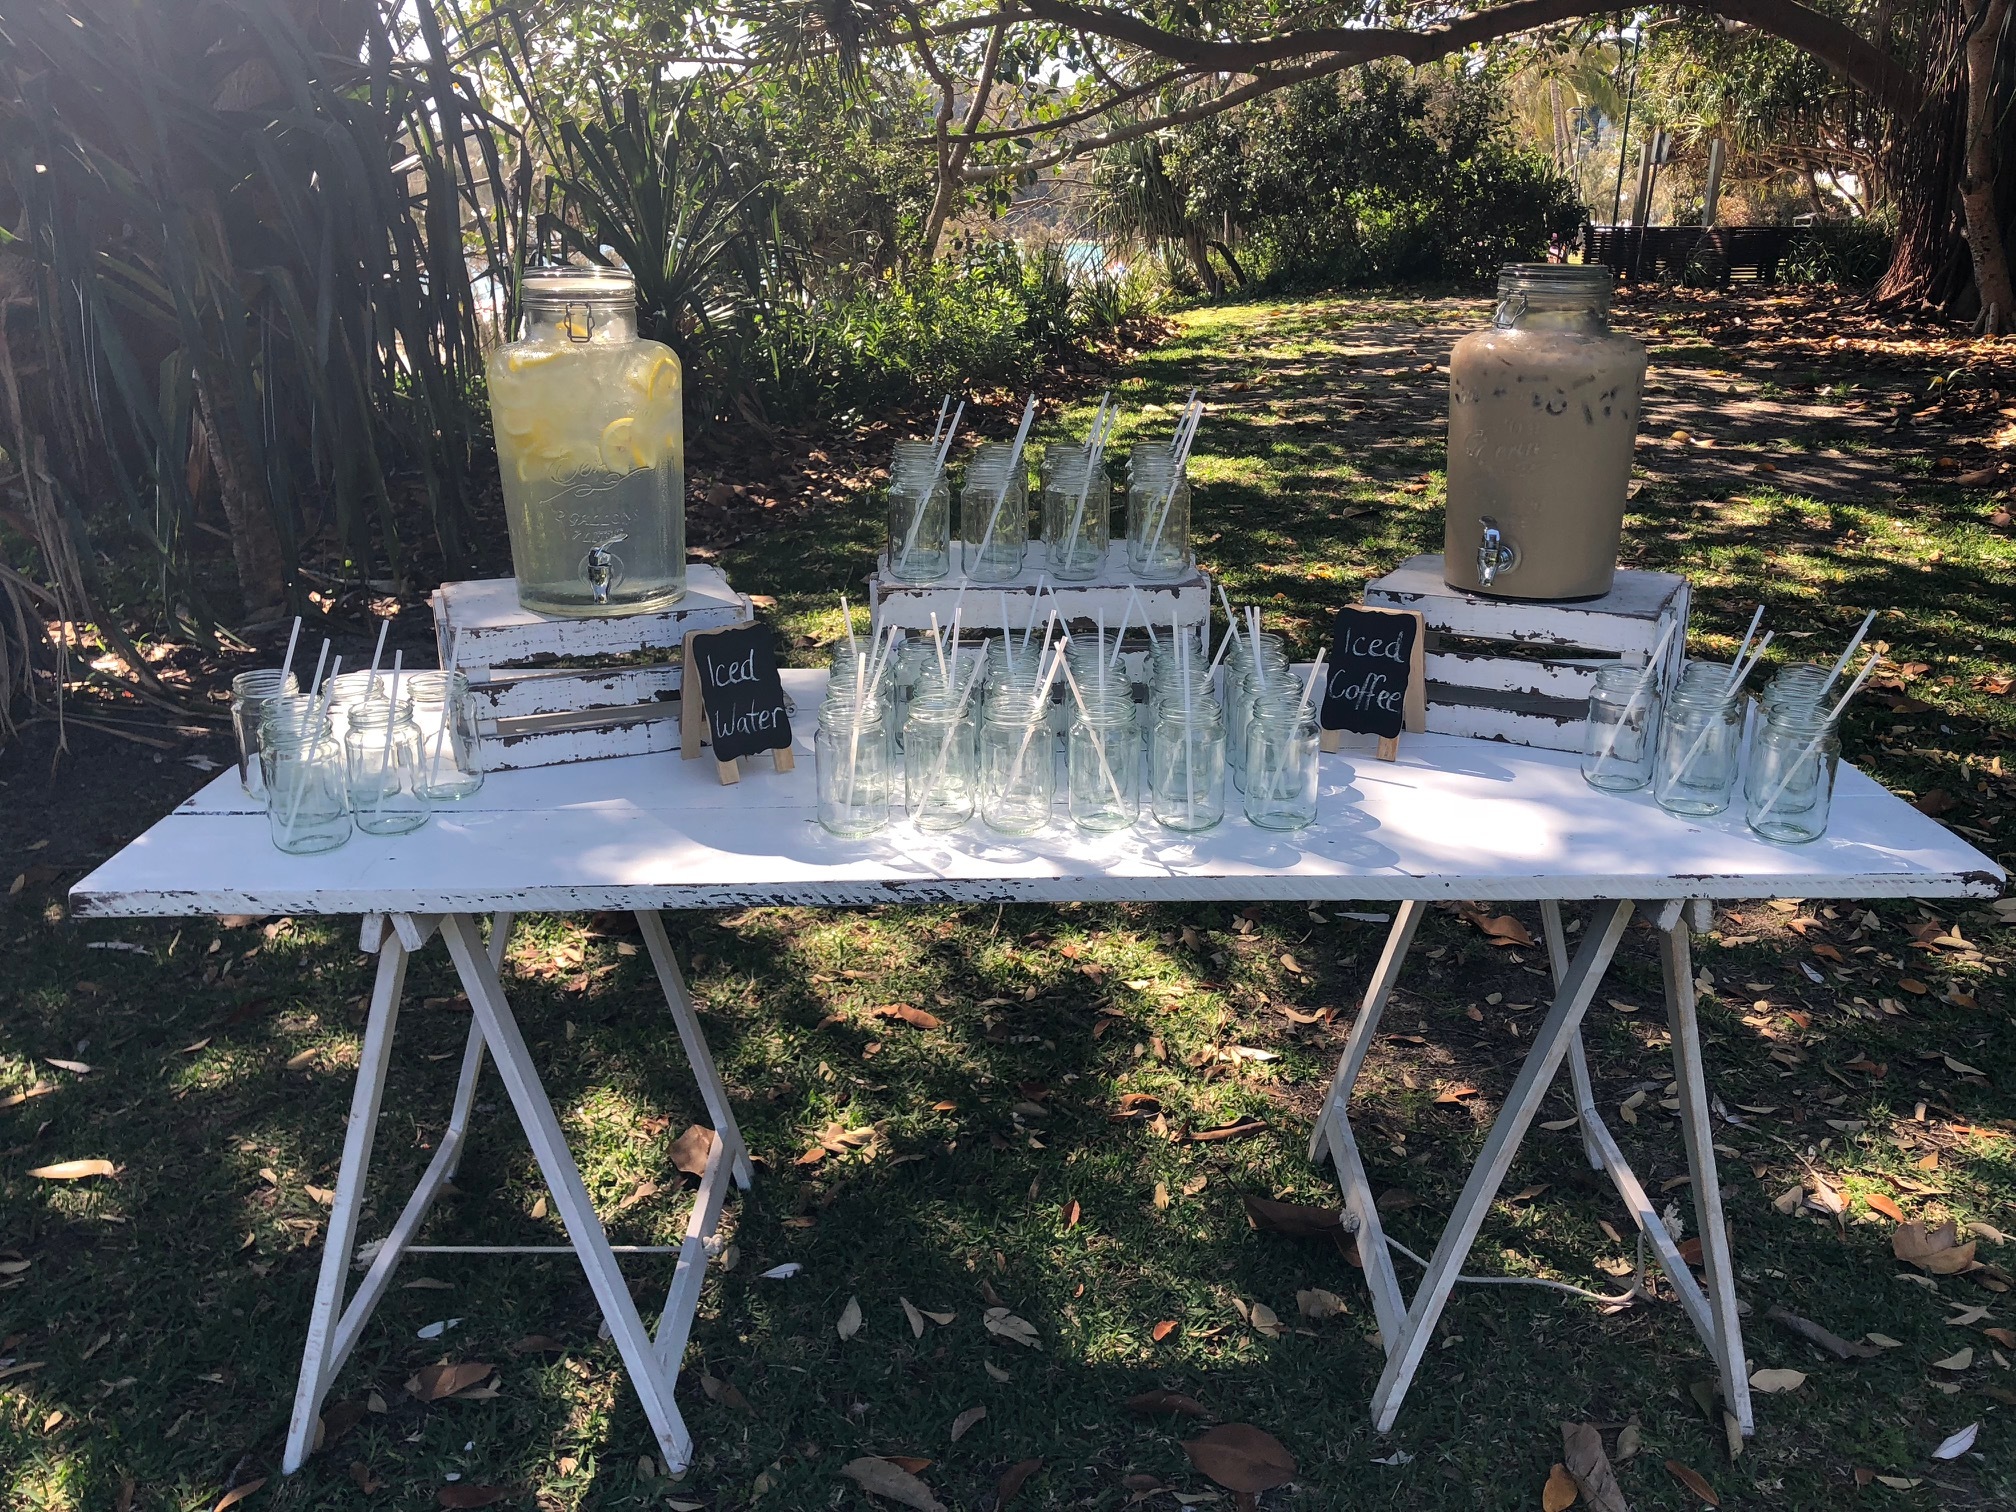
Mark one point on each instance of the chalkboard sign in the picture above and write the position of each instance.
(1374, 685)
(730, 691)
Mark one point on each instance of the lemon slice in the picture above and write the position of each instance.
(661, 385)
(525, 359)
(625, 447)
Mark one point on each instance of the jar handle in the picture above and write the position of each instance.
(583, 323)
(1509, 311)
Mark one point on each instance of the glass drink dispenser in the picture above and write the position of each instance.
(1543, 413)
(592, 444)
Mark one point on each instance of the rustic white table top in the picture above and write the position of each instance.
(1452, 818)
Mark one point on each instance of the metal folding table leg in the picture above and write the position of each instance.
(1578, 1059)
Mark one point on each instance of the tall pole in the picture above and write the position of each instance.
(1624, 143)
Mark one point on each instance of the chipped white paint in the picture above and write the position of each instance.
(1524, 700)
(910, 605)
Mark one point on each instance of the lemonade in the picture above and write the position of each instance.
(591, 442)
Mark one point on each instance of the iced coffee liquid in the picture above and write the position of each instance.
(1542, 417)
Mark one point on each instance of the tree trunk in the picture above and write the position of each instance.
(952, 154)
(1928, 268)
(255, 544)
(1200, 255)
(1977, 177)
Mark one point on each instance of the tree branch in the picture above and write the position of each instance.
(1835, 45)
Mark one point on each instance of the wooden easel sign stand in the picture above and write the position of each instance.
(733, 699)
(1375, 684)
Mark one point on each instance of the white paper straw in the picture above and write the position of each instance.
(447, 705)
(1848, 655)
(378, 652)
(315, 684)
(917, 518)
(287, 662)
(301, 777)
(1315, 675)
(1737, 664)
(1638, 691)
(847, 614)
(1095, 446)
(951, 732)
(1134, 602)
(1179, 450)
(1738, 675)
(1120, 635)
(939, 429)
(938, 645)
(1092, 730)
(1038, 719)
(1189, 732)
(1007, 480)
(854, 733)
(391, 726)
(1035, 608)
(1771, 798)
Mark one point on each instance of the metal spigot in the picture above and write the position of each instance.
(599, 567)
(1493, 554)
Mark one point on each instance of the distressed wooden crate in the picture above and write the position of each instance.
(552, 691)
(1520, 671)
(1185, 600)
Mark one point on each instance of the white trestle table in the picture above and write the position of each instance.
(1453, 818)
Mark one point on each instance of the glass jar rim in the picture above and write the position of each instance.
(1568, 282)
(378, 711)
(556, 285)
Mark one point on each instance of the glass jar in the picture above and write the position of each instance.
(939, 764)
(920, 515)
(382, 748)
(1103, 761)
(1621, 731)
(451, 765)
(592, 443)
(1158, 513)
(349, 690)
(852, 758)
(250, 692)
(1797, 685)
(1077, 514)
(1789, 787)
(994, 514)
(1282, 741)
(1543, 414)
(1187, 771)
(307, 792)
(1700, 738)
(1018, 768)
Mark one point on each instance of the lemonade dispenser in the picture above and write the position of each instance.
(592, 446)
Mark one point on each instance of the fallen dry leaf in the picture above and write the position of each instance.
(1885, 1206)
(1582, 1450)
(1813, 1333)
(1956, 1444)
(1500, 929)
(1937, 1251)
(881, 1477)
(1152, 1403)
(73, 1170)
(1012, 1479)
(1317, 1305)
(963, 1424)
(237, 1494)
(1162, 1330)
(1070, 1213)
(365, 1481)
(1960, 1359)
(1237, 1130)
(690, 1150)
(1692, 1480)
(1559, 1494)
(915, 1017)
(434, 1383)
(1774, 1382)
(1302, 1220)
(1241, 1458)
(1265, 1320)
(915, 1318)
(1004, 1324)
(850, 1319)
(1455, 1094)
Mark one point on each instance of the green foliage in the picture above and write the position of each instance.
(1849, 253)
(1392, 178)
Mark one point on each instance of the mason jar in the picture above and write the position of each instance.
(920, 515)
(939, 764)
(1788, 789)
(250, 693)
(451, 764)
(1621, 731)
(591, 440)
(1282, 742)
(382, 749)
(1543, 415)
(307, 792)
(853, 768)
(1699, 741)
(1158, 513)
(1018, 768)
(1077, 514)
(1797, 685)
(1103, 761)
(349, 690)
(1187, 775)
(994, 514)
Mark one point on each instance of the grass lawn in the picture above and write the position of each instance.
(150, 1323)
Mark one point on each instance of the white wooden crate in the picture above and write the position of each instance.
(559, 690)
(1520, 671)
(1186, 600)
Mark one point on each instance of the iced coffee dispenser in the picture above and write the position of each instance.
(592, 444)
(1543, 411)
